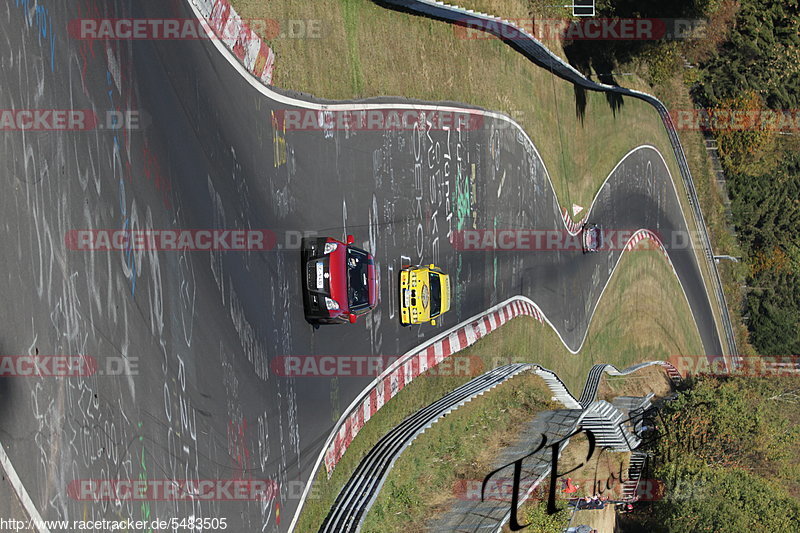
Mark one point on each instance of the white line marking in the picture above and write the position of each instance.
(22, 494)
(261, 88)
(502, 181)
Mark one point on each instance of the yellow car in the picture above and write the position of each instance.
(424, 294)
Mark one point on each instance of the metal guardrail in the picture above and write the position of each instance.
(360, 492)
(562, 394)
(540, 55)
(589, 393)
(592, 382)
(534, 50)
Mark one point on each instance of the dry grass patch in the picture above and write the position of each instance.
(645, 381)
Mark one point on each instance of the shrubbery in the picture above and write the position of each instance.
(748, 60)
(727, 453)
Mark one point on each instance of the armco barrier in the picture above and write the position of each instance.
(562, 394)
(359, 493)
(604, 419)
(221, 17)
(410, 366)
(589, 395)
(260, 60)
(530, 47)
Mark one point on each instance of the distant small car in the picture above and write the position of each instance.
(340, 281)
(592, 238)
(424, 294)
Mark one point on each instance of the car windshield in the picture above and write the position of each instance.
(357, 278)
(436, 294)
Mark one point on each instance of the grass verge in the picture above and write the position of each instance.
(460, 446)
(643, 316)
(676, 95)
(365, 50)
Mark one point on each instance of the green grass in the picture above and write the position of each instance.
(350, 12)
(642, 316)
(457, 447)
(367, 50)
(675, 95)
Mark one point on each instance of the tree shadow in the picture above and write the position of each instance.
(580, 102)
(615, 102)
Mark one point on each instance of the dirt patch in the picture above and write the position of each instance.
(651, 379)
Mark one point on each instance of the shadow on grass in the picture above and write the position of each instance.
(580, 102)
(615, 102)
(589, 62)
(582, 55)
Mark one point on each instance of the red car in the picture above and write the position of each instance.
(339, 281)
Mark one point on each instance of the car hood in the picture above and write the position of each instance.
(337, 267)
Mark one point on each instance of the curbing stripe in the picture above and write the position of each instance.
(424, 359)
(203, 11)
(439, 350)
(573, 227)
(245, 44)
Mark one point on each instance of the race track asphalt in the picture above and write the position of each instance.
(199, 329)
